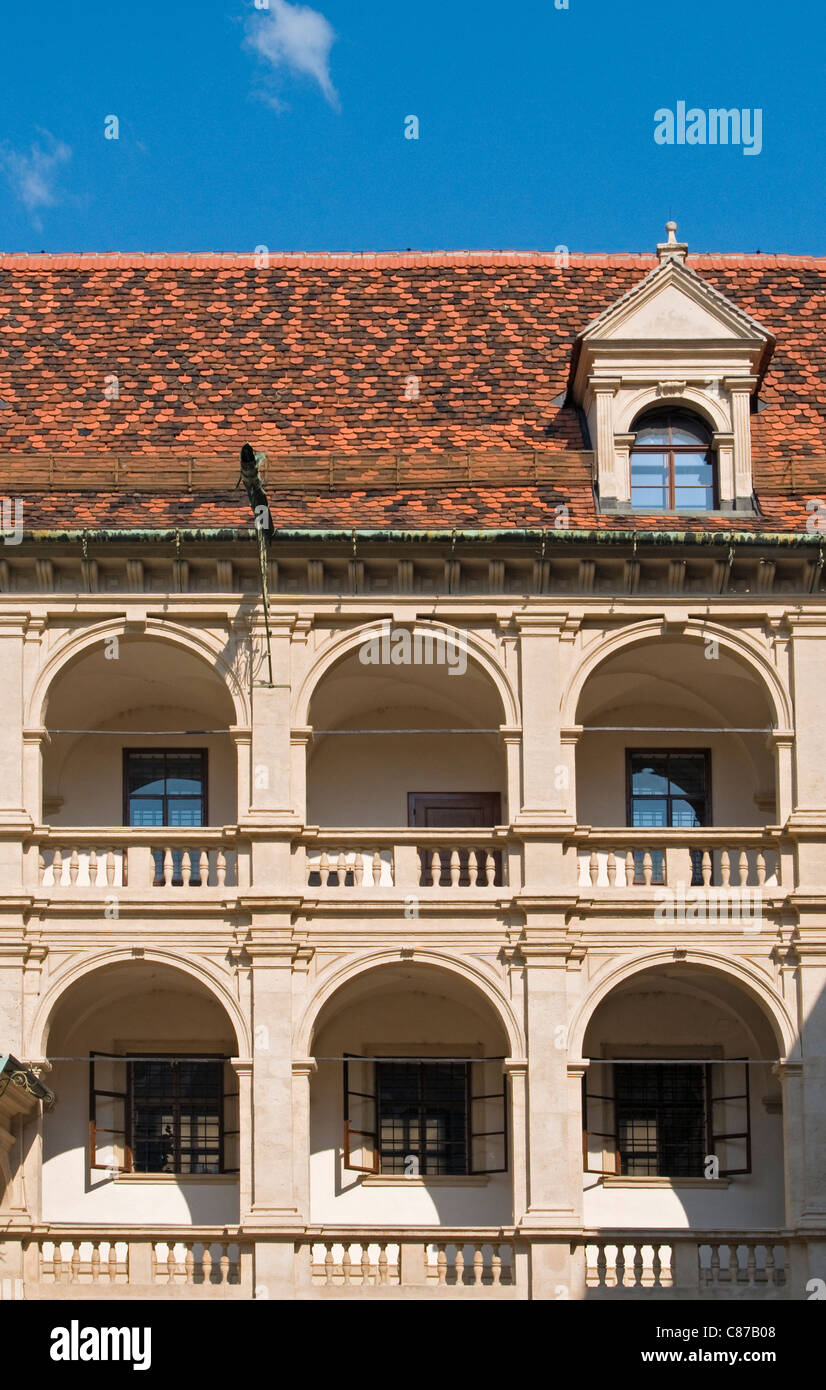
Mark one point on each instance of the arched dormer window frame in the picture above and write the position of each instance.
(673, 462)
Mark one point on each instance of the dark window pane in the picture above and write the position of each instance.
(649, 774)
(660, 1118)
(687, 774)
(143, 811)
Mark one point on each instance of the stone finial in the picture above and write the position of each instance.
(672, 247)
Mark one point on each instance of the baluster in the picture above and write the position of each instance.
(377, 868)
(41, 867)
(593, 866)
(167, 868)
(112, 1262)
(475, 863)
(636, 1268)
(365, 1265)
(619, 1268)
(591, 1268)
(602, 1267)
(329, 1267)
(751, 1264)
(478, 1264)
(455, 868)
(95, 1266)
(57, 1263)
(75, 1261)
(612, 868)
(647, 868)
(341, 868)
(761, 868)
(771, 1269)
(57, 866)
(221, 868)
(206, 1264)
(186, 867)
(324, 868)
(383, 1264)
(725, 868)
(714, 1273)
(189, 1263)
(656, 1269)
(203, 868)
(743, 868)
(496, 1266)
(459, 1264)
(93, 868)
(225, 1264)
(110, 866)
(74, 864)
(490, 867)
(441, 1264)
(706, 868)
(630, 868)
(358, 868)
(171, 1266)
(435, 868)
(347, 1265)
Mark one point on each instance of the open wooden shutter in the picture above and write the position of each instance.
(488, 1116)
(729, 1115)
(230, 1127)
(600, 1149)
(361, 1140)
(108, 1113)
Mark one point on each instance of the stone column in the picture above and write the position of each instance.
(553, 1200)
(242, 738)
(603, 390)
(516, 1070)
(808, 819)
(740, 389)
(270, 793)
(242, 1067)
(304, 1068)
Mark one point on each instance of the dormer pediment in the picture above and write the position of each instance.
(673, 306)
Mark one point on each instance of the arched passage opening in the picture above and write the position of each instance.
(145, 1127)
(404, 717)
(682, 695)
(682, 1114)
(409, 1115)
(123, 743)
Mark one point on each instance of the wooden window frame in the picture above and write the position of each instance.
(671, 450)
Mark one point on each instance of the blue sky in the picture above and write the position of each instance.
(285, 127)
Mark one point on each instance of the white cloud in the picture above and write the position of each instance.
(296, 39)
(32, 176)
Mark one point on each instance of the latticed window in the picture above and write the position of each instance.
(163, 1114)
(424, 1118)
(167, 786)
(668, 789)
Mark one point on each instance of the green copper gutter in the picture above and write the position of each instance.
(504, 535)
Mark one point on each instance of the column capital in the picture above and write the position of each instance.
(304, 1066)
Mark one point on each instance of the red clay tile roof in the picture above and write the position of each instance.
(310, 356)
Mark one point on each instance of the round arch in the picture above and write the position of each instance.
(638, 633)
(213, 983)
(768, 1001)
(338, 976)
(709, 409)
(349, 641)
(78, 644)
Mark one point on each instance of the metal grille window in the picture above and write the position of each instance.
(673, 464)
(423, 1118)
(176, 1115)
(661, 1119)
(162, 1114)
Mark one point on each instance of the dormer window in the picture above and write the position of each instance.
(673, 463)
